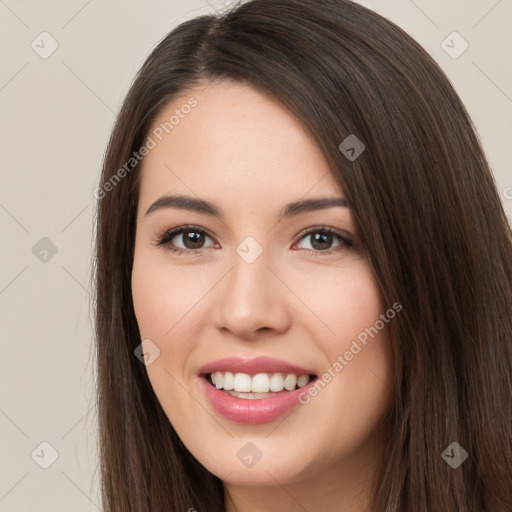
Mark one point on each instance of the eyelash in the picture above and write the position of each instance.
(164, 240)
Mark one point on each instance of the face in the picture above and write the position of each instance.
(278, 302)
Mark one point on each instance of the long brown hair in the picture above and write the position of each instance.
(428, 213)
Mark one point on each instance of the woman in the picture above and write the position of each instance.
(304, 276)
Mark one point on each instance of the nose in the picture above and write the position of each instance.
(252, 301)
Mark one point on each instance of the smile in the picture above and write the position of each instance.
(261, 385)
(254, 391)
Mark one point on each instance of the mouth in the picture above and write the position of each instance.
(254, 391)
(258, 386)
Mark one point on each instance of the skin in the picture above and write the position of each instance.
(246, 153)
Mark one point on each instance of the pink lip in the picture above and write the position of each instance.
(242, 410)
(253, 366)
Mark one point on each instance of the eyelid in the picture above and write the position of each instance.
(168, 234)
(345, 235)
(346, 239)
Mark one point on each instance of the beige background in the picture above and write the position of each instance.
(56, 116)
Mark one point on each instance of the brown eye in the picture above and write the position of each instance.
(192, 239)
(185, 238)
(322, 239)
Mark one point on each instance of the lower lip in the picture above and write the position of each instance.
(253, 411)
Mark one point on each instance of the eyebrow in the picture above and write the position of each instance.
(201, 206)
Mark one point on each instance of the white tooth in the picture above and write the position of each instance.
(229, 381)
(290, 382)
(250, 396)
(212, 377)
(276, 382)
(242, 382)
(260, 383)
(219, 380)
(302, 380)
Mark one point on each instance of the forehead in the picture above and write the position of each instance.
(229, 141)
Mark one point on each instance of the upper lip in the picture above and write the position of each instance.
(253, 366)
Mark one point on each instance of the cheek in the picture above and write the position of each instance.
(163, 295)
(362, 337)
(342, 301)
(356, 346)
(163, 300)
